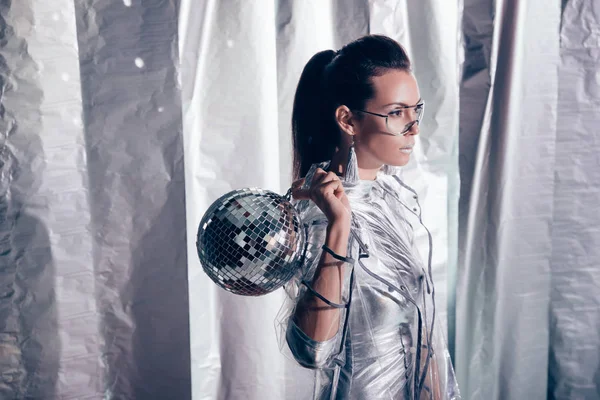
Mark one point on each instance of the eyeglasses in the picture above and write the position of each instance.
(401, 120)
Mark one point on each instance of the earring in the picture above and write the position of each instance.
(351, 175)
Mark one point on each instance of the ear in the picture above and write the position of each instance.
(346, 120)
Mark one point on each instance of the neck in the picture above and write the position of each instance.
(339, 163)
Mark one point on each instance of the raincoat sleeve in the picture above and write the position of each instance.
(306, 351)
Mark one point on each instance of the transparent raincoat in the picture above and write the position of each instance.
(388, 344)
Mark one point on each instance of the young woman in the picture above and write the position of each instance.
(361, 310)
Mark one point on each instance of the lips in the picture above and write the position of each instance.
(407, 149)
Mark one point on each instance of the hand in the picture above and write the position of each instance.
(327, 192)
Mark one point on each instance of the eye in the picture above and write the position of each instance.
(396, 113)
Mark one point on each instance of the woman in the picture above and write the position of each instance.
(361, 310)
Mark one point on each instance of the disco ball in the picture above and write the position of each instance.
(251, 241)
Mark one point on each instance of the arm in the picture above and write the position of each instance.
(314, 317)
(313, 332)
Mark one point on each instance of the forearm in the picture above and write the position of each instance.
(317, 319)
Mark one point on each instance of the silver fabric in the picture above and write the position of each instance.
(93, 278)
(528, 290)
(230, 101)
(134, 169)
(508, 173)
(378, 351)
(574, 357)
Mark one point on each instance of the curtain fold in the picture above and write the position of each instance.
(93, 298)
(514, 309)
(574, 365)
(134, 152)
(50, 343)
(231, 140)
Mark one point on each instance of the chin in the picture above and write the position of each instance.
(399, 163)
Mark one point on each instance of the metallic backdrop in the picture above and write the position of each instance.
(93, 277)
(528, 290)
(101, 101)
(574, 359)
(508, 134)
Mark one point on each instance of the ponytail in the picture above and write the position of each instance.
(315, 134)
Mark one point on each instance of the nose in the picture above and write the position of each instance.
(414, 129)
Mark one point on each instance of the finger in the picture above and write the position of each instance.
(333, 187)
(330, 177)
(339, 193)
(298, 182)
(300, 194)
(318, 176)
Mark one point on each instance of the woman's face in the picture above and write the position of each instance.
(374, 144)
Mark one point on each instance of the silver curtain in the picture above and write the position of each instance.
(93, 277)
(527, 296)
(121, 121)
(574, 357)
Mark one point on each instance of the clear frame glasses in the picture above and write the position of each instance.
(402, 119)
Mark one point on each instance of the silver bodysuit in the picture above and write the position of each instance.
(378, 352)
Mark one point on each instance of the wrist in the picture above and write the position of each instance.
(339, 225)
(337, 236)
(338, 228)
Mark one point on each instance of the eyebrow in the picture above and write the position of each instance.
(399, 103)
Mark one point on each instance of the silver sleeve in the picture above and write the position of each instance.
(306, 351)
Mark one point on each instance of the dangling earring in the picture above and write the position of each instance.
(351, 175)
